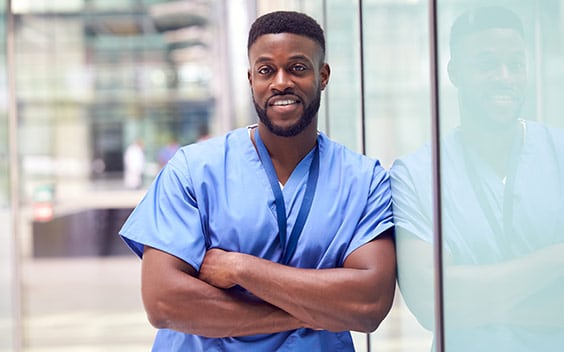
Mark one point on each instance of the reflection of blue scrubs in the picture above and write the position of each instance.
(496, 224)
(217, 194)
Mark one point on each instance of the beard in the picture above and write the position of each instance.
(305, 120)
(484, 114)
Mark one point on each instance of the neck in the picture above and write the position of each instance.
(287, 152)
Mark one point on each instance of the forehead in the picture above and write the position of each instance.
(493, 40)
(283, 46)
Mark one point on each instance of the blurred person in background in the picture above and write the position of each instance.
(502, 203)
(203, 133)
(134, 164)
(166, 152)
(271, 237)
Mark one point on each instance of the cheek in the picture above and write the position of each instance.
(256, 92)
(312, 88)
(475, 88)
(258, 87)
(471, 96)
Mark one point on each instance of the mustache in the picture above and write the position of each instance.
(287, 91)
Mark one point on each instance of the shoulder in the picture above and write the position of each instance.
(545, 141)
(417, 165)
(536, 128)
(418, 162)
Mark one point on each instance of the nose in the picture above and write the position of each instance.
(504, 73)
(282, 81)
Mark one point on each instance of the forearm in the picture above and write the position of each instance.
(506, 285)
(355, 297)
(219, 313)
(174, 299)
(540, 311)
(331, 299)
(477, 295)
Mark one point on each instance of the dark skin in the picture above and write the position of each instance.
(286, 63)
(356, 296)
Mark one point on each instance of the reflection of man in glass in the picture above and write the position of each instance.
(502, 198)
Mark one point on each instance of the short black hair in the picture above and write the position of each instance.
(482, 18)
(287, 22)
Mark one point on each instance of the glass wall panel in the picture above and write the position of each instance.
(343, 115)
(396, 77)
(501, 180)
(398, 133)
(502, 175)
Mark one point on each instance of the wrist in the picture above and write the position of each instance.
(236, 266)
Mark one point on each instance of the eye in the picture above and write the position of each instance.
(264, 70)
(299, 67)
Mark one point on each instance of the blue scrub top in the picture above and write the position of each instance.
(216, 194)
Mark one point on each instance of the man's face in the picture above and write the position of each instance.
(286, 76)
(490, 73)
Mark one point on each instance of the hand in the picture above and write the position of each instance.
(217, 268)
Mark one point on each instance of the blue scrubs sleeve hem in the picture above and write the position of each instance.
(380, 229)
(137, 248)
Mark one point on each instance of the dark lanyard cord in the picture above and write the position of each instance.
(503, 229)
(288, 251)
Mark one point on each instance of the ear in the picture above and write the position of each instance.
(324, 73)
(452, 72)
(249, 77)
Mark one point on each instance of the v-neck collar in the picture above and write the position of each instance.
(298, 175)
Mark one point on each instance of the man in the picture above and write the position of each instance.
(167, 151)
(223, 268)
(502, 201)
(134, 164)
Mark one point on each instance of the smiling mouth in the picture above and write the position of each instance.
(503, 98)
(285, 102)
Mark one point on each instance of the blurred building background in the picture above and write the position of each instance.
(82, 80)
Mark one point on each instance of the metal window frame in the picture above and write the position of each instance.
(13, 152)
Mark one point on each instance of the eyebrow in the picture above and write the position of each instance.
(262, 59)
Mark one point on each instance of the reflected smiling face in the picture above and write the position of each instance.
(287, 75)
(489, 69)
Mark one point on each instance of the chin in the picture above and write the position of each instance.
(286, 131)
(502, 122)
(288, 128)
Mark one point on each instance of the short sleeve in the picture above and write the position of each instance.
(168, 218)
(377, 216)
(411, 204)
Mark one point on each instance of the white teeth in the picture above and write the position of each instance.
(283, 102)
(502, 98)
